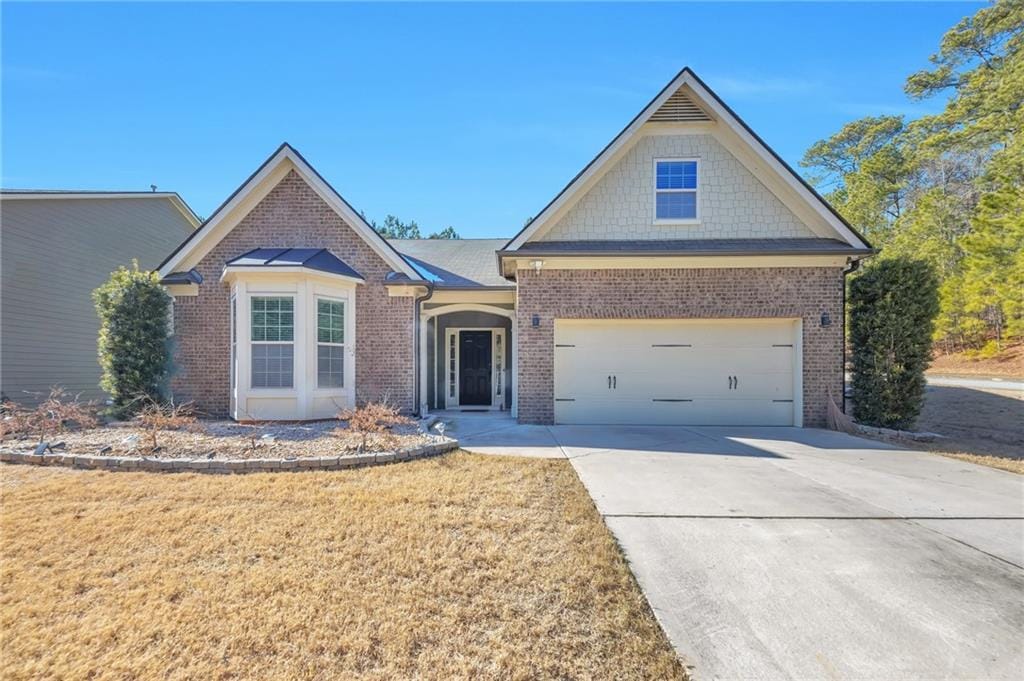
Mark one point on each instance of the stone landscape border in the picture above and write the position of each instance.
(227, 466)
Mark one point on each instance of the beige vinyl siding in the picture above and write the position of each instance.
(54, 253)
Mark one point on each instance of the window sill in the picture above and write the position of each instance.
(273, 392)
(659, 223)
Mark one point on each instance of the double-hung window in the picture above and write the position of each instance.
(273, 341)
(675, 190)
(330, 343)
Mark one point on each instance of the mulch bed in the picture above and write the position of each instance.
(226, 440)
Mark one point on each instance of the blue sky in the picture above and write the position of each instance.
(473, 115)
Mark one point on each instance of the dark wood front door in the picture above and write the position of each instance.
(474, 368)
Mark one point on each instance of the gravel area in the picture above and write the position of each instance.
(229, 440)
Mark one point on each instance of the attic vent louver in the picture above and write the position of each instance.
(679, 108)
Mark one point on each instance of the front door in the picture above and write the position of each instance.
(475, 368)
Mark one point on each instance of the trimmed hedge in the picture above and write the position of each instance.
(133, 346)
(892, 307)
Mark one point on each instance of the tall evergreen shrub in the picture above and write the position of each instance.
(892, 307)
(133, 347)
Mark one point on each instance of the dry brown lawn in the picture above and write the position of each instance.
(455, 567)
(1002, 463)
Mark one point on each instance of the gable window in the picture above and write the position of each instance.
(273, 341)
(675, 190)
(330, 343)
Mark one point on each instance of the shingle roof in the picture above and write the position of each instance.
(454, 263)
(319, 259)
(693, 247)
(190, 277)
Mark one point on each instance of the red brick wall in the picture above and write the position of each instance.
(680, 293)
(292, 215)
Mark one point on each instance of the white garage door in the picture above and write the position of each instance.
(677, 372)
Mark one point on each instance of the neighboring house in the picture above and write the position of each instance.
(57, 246)
(686, 276)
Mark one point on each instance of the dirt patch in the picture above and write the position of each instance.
(461, 566)
(989, 422)
(1007, 364)
(228, 440)
(980, 426)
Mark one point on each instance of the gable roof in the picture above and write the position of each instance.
(684, 99)
(265, 178)
(455, 263)
(57, 194)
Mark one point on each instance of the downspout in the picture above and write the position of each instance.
(416, 346)
(853, 267)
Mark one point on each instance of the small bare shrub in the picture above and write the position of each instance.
(59, 411)
(257, 430)
(373, 418)
(156, 416)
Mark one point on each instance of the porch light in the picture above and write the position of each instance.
(536, 265)
(535, 320)
(826, 320)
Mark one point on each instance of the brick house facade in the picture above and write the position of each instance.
(680, 294)
(293, 215)
(759, 250)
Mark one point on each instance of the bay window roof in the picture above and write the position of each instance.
(317, 259)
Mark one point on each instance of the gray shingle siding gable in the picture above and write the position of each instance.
(54, 253)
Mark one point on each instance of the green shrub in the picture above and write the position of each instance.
(133, 346)
(892, 307)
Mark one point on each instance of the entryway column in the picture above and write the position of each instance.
(514, 347)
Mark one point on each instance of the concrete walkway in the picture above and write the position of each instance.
(497, 433)
(798, 553)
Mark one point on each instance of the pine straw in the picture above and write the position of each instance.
(1008, 363)
(455, 567)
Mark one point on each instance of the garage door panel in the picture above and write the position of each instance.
(594, 410)
(707, 412)
(747, 386)
(696, 372)
(740, 412)
(582, 372)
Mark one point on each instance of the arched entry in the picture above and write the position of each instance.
(471, 346)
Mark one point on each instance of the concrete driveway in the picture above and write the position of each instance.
(808, 554)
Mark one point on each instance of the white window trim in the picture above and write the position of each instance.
(655, 191)
(317, 343)
(282, 389)
(497, 365)
(233, 340)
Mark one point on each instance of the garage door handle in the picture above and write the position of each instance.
(615, 382)
(735, 382)
(609, 382)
